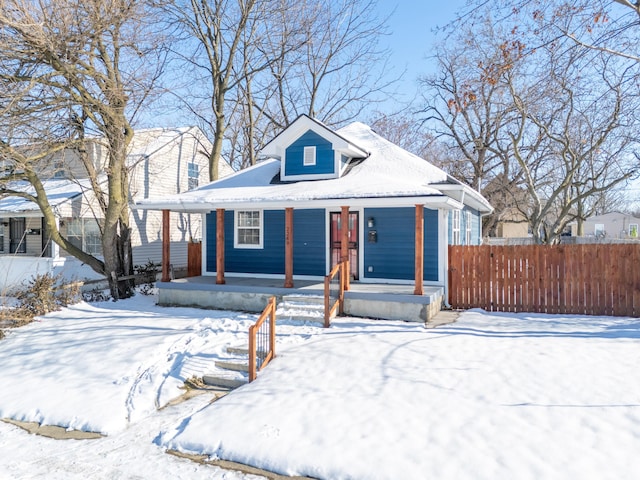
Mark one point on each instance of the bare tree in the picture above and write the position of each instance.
(544, 130)
(334, 69)
(71, 67)
(574, 145)
(263, 63)
(221, 41)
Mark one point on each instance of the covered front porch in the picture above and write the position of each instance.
(371, 300)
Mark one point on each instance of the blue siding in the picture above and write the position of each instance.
(309, 249)
(309, 242)
(393, 255)
(210, 254)
(294, 156)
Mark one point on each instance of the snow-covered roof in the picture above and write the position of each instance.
(58, 191)
(389, 175)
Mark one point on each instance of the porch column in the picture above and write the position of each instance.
(166, 241)
(288, 251)
(220, 246)
(344, 243)
(419, 268)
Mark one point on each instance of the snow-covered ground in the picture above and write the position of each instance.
(491, 396)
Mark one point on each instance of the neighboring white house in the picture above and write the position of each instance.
(161, 162)
(609, 225)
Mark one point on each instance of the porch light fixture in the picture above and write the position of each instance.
(371, 222)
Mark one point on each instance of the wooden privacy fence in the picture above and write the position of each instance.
(591, 279)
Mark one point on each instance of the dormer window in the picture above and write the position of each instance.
(309, 156)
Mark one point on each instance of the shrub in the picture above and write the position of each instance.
(147, 276)
(41, 296)
(95, 295)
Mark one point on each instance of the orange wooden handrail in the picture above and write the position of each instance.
(270, 353)
(329, 308)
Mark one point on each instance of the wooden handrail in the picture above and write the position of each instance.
(329, 309)
(268, 353)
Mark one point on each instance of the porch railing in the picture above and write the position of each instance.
(262, 340)
(334, 291)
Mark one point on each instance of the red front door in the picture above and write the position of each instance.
(335, 240)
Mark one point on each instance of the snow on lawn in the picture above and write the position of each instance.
(99, 367)
(492, 396)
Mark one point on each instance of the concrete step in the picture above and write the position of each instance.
(305, 299)
(238, 350)
(238, 366)
(225, 378)
(310, 307)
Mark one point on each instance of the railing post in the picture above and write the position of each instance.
(347, 274)
(252, 353)
(344, 276)
(272, 327)
(327, 308)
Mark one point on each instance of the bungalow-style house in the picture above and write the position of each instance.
(161, 162)
(279, 224)
(612, 225)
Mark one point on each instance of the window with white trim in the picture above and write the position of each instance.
(455, 227)
(467, 229)
(193, 175)
(59, 170)
(248, 230)
(599, 230)
(633, 230)
(309, 156)
(84, 233)
(2, 235)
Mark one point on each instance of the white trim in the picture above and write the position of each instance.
(395, 281)
(429, 201)
(443, 250)
(299, 127)
(204, 258)
(260, 228)
(309, 176)
(455, 227)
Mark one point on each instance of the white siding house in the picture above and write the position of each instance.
(161, 161)
(613, 225)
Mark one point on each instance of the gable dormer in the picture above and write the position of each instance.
(309, 150)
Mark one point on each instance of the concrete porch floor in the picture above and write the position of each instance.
(372, 300)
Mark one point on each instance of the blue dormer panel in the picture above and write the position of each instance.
(318, 158)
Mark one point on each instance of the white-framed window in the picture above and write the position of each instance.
(2, 234)
(193, 175)
(248, 231)
(309, 156)
(455, 227)
(599, 230)
(84, 233)
(59, 170)
(467, 229)
(633, 230)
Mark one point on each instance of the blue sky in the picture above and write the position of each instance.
(411, 25)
